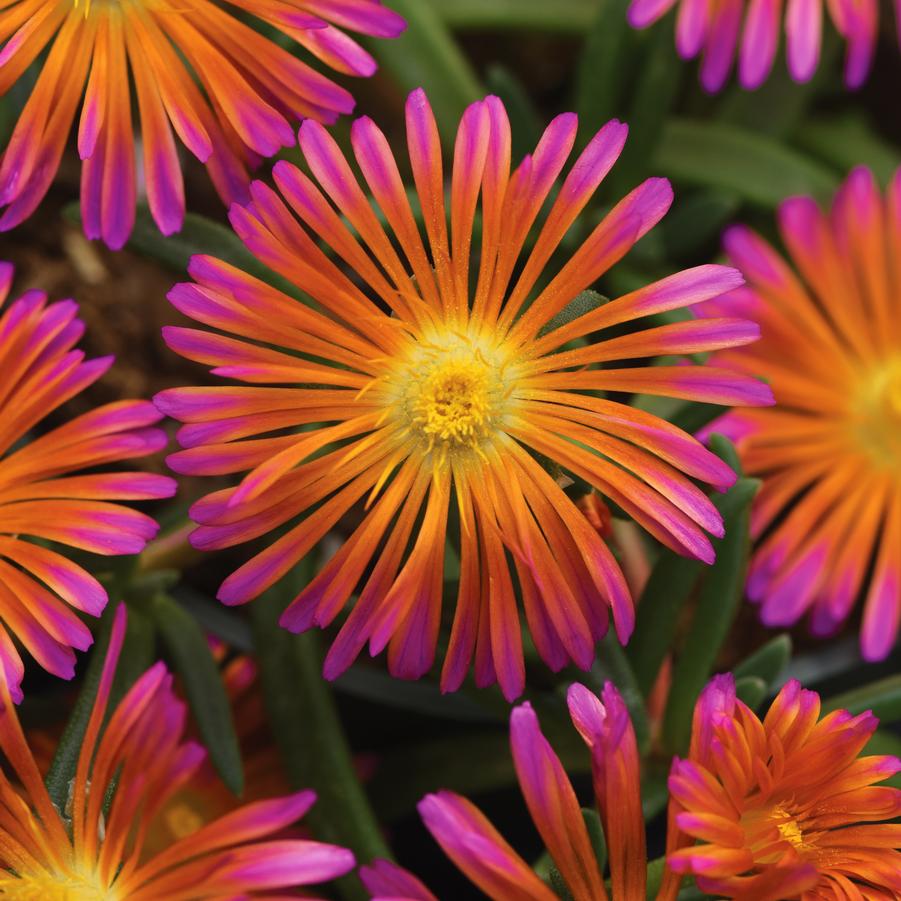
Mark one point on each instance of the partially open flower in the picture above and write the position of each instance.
(785, 808)
(480, 852)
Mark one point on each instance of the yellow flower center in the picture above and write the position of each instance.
(54, 887)
(453, 394)
(788, 827)
(453, 402)
(879, 414)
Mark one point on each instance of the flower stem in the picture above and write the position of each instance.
(314, 747)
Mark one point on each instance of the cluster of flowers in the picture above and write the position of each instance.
(423, 388)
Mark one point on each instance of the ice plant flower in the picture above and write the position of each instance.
(482, 854)
(785, 808)
(828, 517)
(141, 759)
(427, 383)
(750, 30)
(200, 71)
(42, 494)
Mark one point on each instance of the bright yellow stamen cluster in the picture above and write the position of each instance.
(788, 827)
(451, 393)
(453, 403)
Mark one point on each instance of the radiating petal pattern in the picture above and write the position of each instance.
(827, 521)
(201, 74)
(784, 808)
(428, 381)
(46, 499)
(136, 763)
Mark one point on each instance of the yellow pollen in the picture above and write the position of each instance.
(454, 402)
(449, 395)
(788, 827)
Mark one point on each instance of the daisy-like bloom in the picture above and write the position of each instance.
(785, 808)
(43, 497)
(427, 385)
(200, 72)
(828, 517)
(140, 759)
(482, 854)
(750, 29)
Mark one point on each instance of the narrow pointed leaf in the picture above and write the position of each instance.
(767, 662)
(192, 658)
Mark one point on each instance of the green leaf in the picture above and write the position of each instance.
(612, 664)
(767, 662)
(721, 594)
(664, 597)
(422, 697)
(307, 728)
(216, 619)
(849, 141)
(656, 87)
(692, 417)
(882, 697)
(65, 759)
(564, 15)
(695, 220)
(751, 165)
(752, 690)
(138, 653)
(603, 71)
(408, 772)
(427, 56)
(193, 660)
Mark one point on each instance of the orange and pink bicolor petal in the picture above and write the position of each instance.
(44, 496)
(196, 78)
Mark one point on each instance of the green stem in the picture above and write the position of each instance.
(314, 747)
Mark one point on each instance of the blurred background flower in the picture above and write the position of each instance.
(828, 518)
(94, 851)
(751, 32)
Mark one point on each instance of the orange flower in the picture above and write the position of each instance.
(828, 516)
(229, 93)
(424, 389)
(785, 808)
(141, 760)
